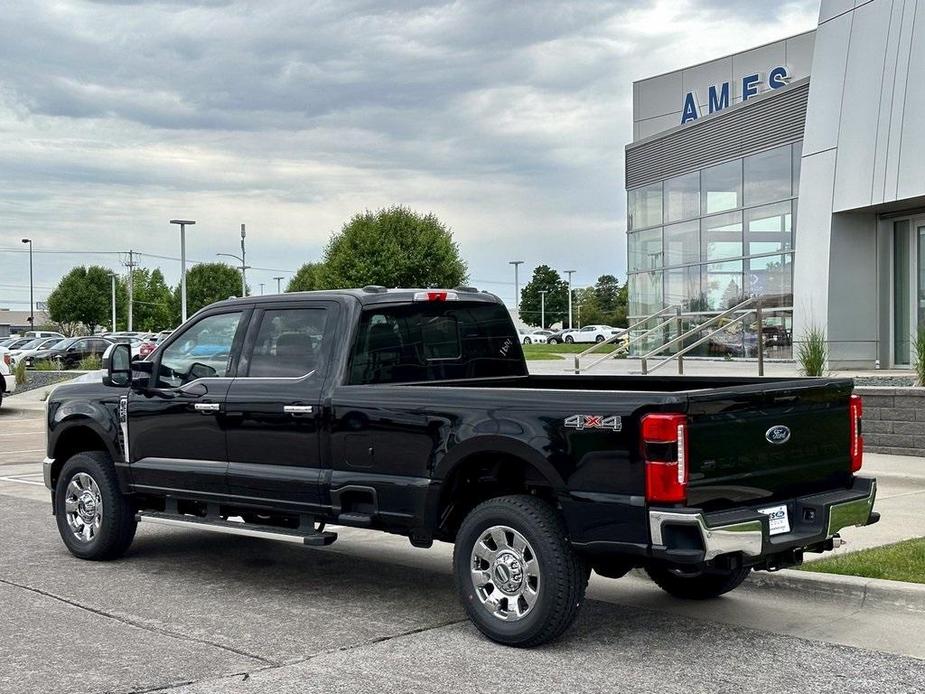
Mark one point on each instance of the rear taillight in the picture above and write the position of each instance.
(856, 411)
(663, 443)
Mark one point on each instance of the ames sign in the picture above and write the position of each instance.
(718, 94)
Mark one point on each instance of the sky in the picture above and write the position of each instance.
(508, 119)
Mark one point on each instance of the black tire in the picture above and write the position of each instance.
(562, 577)
(569, 339)
(599, 338)
(700, 586)
(552, 341)
(526, 340)
(117, 522)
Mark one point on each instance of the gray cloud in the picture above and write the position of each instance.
(509, 119)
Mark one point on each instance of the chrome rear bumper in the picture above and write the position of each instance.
(751, 535)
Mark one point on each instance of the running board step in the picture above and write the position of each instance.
(359, 520)
(217, 525)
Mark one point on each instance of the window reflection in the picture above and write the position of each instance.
(682, 197)
(767, 176)
(721, 187)
(722, 236)
(645, 249)
(682, 243)
(769, 229)
(644, 207)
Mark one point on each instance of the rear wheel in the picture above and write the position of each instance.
(95, 520)
(697, 586)
(519, 579)
(599, 338)
(569, 339)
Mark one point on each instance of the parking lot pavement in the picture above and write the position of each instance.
(187, 611)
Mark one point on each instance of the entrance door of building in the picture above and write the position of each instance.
(908, 287)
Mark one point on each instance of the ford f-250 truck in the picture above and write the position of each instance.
(412, 412)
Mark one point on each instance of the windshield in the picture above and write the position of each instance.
(63, 344)
(33, 344)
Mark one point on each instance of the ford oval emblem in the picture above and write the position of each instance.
(778, 434)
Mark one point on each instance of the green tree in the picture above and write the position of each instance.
(308, 278)
(611, 298)
(82, 296)
(152, 301)
(548, 280)
(207, 283)
(587, 307)
(394, 247)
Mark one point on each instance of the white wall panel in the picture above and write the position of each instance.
(830, 54)
(911, 164)
(860, 106)
(757, 61)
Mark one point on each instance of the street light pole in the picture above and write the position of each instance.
(516, 263)
(569, 273)
(278, 280)
(183, 223)
(113, 276)
(31, 290)
(261, 289)
(543, 308)
(243, 266)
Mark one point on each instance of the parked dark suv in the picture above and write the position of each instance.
(70, 351)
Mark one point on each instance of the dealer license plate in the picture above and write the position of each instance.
(777, 515)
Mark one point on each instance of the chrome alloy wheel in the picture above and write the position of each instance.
(83, 507)
(505, 573)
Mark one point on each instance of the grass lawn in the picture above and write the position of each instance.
(904, 561)
(531, 350)
(539, 352)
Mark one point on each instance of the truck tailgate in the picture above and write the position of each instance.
(766, 442)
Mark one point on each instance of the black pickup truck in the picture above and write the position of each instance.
(412, 412)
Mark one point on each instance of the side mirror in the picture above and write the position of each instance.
(117, 362)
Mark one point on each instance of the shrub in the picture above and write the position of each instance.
(90, 363)
(813, 352)
(45, 365)
(20, 373)
(918, 356)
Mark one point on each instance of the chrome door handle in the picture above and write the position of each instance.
(297, 409)
(207, 407)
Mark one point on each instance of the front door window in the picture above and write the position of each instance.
(202, 351)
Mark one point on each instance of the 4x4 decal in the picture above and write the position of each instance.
(594, 421)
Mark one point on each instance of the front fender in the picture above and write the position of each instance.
(102, 418)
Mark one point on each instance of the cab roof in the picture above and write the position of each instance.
(374, 294)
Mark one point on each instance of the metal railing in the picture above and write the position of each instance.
(745, 309)
(627, 331)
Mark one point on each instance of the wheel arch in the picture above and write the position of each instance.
(77, 436)
(485, 468)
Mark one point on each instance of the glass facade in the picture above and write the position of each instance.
(709, 239)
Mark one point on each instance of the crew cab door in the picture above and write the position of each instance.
(176, 430)
(274, 406)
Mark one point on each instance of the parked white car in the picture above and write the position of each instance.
(534, 336)
(43, 333)
(591, 333)
(29, 349)
(7, 379)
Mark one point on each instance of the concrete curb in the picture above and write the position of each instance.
(866, 592)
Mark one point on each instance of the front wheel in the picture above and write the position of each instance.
(95, 520)
(518, 577)
(702, 585)
(526, 340)
(599, 338)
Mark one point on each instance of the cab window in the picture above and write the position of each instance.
(288, 343)
(202, 351)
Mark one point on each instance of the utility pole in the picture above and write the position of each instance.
(131, 286)
(243, 266)
(278, 280)
(569, 273)
(261, 289)
(543, 308)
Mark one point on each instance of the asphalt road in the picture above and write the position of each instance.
(189, 611)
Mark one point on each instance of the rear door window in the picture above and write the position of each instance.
(435, 341)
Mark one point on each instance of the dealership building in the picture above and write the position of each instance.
(793, 172)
